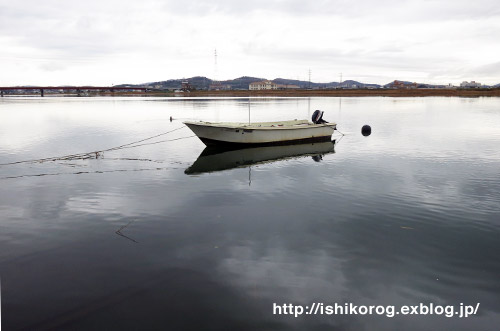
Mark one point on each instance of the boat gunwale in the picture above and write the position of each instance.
(222, 125)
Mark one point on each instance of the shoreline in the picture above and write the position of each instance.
(352, 93)
(470, 93)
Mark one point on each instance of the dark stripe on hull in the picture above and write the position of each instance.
(212, 142)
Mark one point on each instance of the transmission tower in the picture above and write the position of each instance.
(215, 65)
(215, 82)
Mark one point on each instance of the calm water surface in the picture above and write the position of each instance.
(130, 241)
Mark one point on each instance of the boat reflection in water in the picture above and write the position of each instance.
(215, 158)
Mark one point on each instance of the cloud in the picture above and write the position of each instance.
(159, 40)
(381, 10)
(491, 69)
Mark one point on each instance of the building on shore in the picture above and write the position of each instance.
(218, 86)
(263, 85)
(472, 84)
(397, 84)
(269, 85)
(185, 86)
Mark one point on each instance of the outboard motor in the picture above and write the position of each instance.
(317, 117)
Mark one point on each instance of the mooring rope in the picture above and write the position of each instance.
(88, 172)
(157, 142)
(98, 152)
(140, 141)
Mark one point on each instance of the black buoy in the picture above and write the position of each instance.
(171, 118)
(366, 130)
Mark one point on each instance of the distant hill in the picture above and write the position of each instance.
(241, 83)
(391, 84)
(419, 85)
(198, 82)
(299, 83)
(307, 84)
(355, 84)
(202, 83)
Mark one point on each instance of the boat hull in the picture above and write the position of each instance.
(211, 142)
(261, 135)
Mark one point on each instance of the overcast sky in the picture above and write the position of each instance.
(112, 42)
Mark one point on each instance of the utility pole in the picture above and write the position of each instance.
(340, 82)
(309, 77)
(215, 65)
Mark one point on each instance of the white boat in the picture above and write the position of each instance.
(263, 133)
